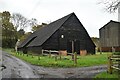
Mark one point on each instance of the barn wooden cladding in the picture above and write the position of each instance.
(110, 36)
(60, 35)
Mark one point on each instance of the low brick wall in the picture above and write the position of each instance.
(63, 52)
(109, 49)
(83, 52)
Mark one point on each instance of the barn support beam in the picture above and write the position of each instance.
(72, 46)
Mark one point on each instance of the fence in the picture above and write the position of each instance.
(74, 56)
(113, 63)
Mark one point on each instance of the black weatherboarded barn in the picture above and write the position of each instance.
(110, 36)
(60, 35)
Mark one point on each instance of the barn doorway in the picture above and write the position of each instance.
(77, 46)
(69, 46)
(73, 45)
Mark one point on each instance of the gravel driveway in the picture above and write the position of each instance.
(13, 67)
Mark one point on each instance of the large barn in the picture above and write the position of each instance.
(65, 34)
(110, 36)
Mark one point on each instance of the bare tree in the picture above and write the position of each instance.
(111, 5)
(33, 22)
(36, 27)
(19, 21)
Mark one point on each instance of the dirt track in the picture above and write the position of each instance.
(13, 67)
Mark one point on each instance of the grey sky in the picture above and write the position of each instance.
(90, 13)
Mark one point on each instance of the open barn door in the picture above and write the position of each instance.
(73, 46)
(77, 46)
(69, 46)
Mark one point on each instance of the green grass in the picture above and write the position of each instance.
(116, 53)
(107, 75)
(89, 60)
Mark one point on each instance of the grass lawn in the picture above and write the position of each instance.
(89, 60)
(112, 76)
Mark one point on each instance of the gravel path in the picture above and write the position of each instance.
(83, 72)
(16, 68)
(13, 67)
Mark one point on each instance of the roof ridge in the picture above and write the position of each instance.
(56, 21)
(114, 21)
(46, 31)
(109, 23)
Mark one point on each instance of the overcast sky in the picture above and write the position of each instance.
(91, 14)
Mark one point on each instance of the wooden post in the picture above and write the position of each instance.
(109, 65)
(49, 53)
(42, 51)
(55, 57)
(119, 68)
(113, 50)
(60, 54)
(27, 54)
(38, 57)
(32, 55)
(75, 58)
(100, 50)
(72, 46)
(73, 50)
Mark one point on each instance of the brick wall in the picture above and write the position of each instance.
(63, 52)
(83, 52)
(109, 49)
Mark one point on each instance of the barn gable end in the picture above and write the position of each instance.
(109, 36)
(60, 34)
